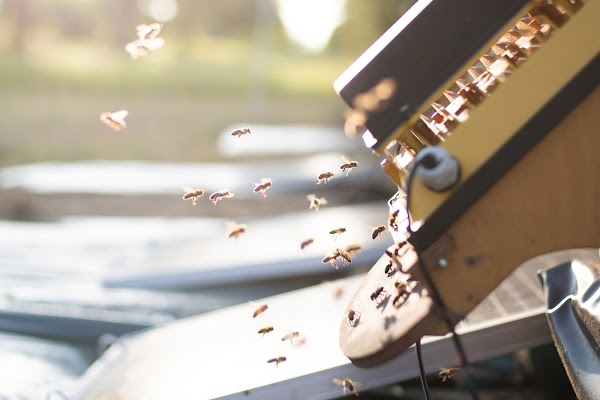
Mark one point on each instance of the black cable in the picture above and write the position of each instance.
(422, 370)
(435, 294)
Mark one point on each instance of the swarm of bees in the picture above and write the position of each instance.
(235, 229)
(147, 40)
(241, 132)
(192, 194)
(347, 385)
(116, 120)
(263, 186)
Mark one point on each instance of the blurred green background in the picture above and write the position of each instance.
(62, 63)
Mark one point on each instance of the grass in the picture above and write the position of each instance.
(179, 99)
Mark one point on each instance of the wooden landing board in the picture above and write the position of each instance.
(221, 355)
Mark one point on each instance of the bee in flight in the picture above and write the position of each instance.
(277, 360)
(263, 186)
(330, 258)
(235, 229)
(148, 31)
(260, 310)
(116, 120)
(377, 231)
(353, 249)
(348, 165)
(447, 373)
(337, 231)
(324, 177)
(316, 202)
(241, 132)
(306, 242)
(290, 336)
(346, 259)
(220, 195)
(147, 40)
(265, 330)
(192, 194)
(347, 385)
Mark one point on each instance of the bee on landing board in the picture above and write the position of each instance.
(347, 385)
(241, 132)
(392, 221)
(277, 360)
(324, 177)
(265, 330)
(402, 292)
(290, 336)
(306, 242)
(263, 186)
(377, 231)
(447, 373)
(353, 317)
(235, 229)
(220, 195)
(116, 120)
(260, 310)
(348, 165)
(378, 294)
(316, 202)
(192, 194)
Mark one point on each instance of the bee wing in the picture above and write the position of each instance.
(345, 160)
(337, 381)
(311, 197)
(357, 384)
(119, 115)
(231, 225)
(323, 200)
(188, 189)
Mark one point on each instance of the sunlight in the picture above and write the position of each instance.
(160, 10)
(310, 23)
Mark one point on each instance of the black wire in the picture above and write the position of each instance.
(422, 370)
(435, 294)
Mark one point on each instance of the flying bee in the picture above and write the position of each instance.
(353, 249)
(265, 330)
(306, 242)
(148, 31)
(265, 183)
(377, 231)
(324, 177)
(346, 259)
(277, 360)
(347, 385)
(235, 229)
(338, 291)
(116, 120)
(140, 47)
(392, 221)
(260, 310)
(348, 165)
(376, 296)
(220, 195)
(316, 202)
(241, 132)
(331, 259)
(337, 231)
(353, 317)
(447, 373)
(402, 292)
(192, 194)
(290, 336)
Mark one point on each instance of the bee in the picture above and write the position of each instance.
(220, 195)
(265, 330)
(265, 183)
(353, 317)
(392, 220)
(235, 229)
(331, 259)
(140, 47)
(290, 336)
(377, 294)
(396, 249)
(306, 242)
(192, 194)
(316, 202)
(277, 360)
(338, 291)
(148, 31)
(447, 373)
(346, 259)
(348, 385)
(241, 132)
(324, 177)
(300, 342)
(385, 89)
(353, 249)
(260, 310)
(337, 231)
(348, 165)
(377, 231)
(402, 292)
(389, 268)
(116, 120)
